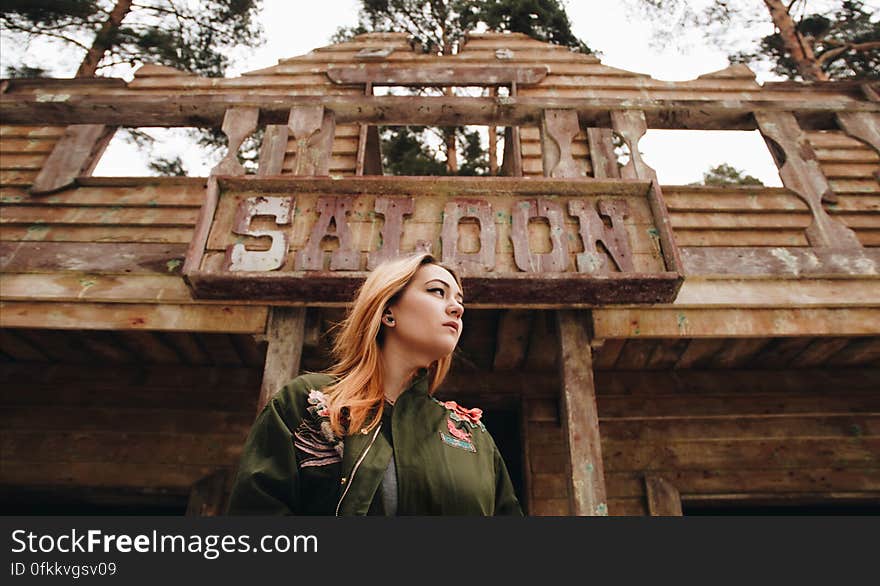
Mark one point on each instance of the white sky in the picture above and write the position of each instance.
(623, 38)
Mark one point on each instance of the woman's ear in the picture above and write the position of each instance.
(388, 318)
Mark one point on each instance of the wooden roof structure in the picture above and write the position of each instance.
(652, 346)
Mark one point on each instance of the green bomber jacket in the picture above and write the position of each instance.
(447, 462)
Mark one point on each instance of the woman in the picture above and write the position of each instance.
(368, 437)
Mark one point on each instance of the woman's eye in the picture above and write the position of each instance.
(437, 290)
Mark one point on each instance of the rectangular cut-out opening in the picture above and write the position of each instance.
(424, 151)
(181, 151)
(720, 157)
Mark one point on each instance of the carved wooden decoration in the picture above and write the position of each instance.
(602, 157)
(864, 126)
(394, 209)
(238, 124)
(593, 230)
(482, 75)
(558, 130)
(800, 172)
(238, 258)
(346, 257)
(75, 154)
(272, 150)
(453, 213)
(632, 126)
(554, 261)
(312, 127)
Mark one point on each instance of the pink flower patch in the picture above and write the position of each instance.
(472, 415)
(461, 434)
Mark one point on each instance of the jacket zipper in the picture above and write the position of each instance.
(356, 465)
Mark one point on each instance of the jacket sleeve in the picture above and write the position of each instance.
(506, 502)
(267, 481)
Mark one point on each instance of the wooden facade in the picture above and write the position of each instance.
(716, 346)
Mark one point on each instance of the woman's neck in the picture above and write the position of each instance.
(396, 373)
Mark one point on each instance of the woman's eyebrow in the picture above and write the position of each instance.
(445, 284)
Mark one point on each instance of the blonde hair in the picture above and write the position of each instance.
(358, 391)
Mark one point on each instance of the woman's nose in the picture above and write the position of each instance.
(455, 308)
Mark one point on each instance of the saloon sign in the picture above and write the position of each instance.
(542, 242)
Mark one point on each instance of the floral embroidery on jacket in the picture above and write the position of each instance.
(314, 439)
(460, 424)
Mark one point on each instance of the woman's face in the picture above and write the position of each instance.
(427, 315)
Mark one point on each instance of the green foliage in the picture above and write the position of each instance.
(725, 174)
(194, 37)
(835, 38)
(404, 152)
(545, 20)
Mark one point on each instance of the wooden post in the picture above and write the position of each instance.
(663, 498)
(285, 332)
(580, 416)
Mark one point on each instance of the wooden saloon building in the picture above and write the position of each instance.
(639, 349)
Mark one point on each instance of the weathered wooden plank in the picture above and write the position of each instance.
(857, 352)
(606, 355)
(76, 153)
(130, 316)
(108, 395)
(783, 482)
(814, 425)
(18, 347)
(788, 293)
(579, 416)
(109, 474)
(96, 287)
(183, 378)
(635, 354)
(149, 347)
(738, 381)
(220, 349)
(71, 233)
(165, 420)
(781, 261)
(738, 352)
(699, 353)
(740, 405)
(128, 258)
(131, 447)
(779, 353)
(99, 216)
(450, 75)
(741, 454)
(284, 333)
(131, 109)
(151, 192)
(664, 499)
(748, 323)
(666, 354)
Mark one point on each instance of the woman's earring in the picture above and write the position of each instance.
(389, 320)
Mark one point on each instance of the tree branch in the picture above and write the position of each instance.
(833, 53)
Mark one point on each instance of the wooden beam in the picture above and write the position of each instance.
(663, 498)
(284, 333)
(55, 107)
(76, 153)
(780, 261)
(580, 417)
(133, 316)
(735, 323)
(454, 75)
